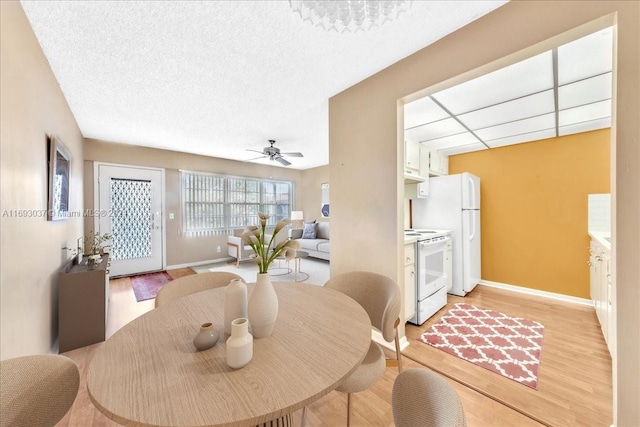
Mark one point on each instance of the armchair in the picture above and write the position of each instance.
(237, 249)
(240, 251)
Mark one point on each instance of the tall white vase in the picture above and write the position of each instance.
(239, 350)
(263, 307)
(235, 303)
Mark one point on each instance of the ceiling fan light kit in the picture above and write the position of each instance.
(273, 153)
(349, 15)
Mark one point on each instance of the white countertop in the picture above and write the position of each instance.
(438, 233)
(599, 236)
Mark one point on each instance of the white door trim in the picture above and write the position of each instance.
(96, 200)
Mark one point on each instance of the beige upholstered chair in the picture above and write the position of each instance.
(380, 297)
(37, 390)
(237, 249)
(191, 284)
(424, 398)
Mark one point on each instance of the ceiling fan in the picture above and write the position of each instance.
(273, 153)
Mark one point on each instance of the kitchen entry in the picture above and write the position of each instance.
(129, 202)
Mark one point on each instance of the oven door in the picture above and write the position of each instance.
(432, 267)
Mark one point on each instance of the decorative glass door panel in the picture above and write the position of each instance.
(132, 222)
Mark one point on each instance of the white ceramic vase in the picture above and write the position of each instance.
(240, 344)
(235, 303)
(206, 338)
(263, 307)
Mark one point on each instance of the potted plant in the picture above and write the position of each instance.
(94, 243)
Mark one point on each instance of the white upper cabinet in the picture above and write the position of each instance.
(438, 163)
(412, 156)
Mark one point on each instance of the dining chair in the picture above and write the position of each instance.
(424, 398)
(380, 297)
(188, 285)
(37, 390)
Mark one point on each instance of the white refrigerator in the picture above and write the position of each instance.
(454, 204)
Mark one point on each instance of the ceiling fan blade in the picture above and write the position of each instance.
(282, 161)
(297, 154)
(255, 158)
(255, 151)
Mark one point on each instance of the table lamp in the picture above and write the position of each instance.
(296, 218)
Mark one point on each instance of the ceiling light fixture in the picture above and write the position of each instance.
(349, 15)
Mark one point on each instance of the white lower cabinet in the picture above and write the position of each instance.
(601, 288)
(409, 306)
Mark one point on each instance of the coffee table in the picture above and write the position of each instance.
(296, 266)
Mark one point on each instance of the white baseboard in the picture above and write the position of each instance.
(195, 264)
(537, 292)
(378, 338)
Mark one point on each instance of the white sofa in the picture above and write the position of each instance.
(318, 247)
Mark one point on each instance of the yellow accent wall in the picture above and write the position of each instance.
(534, 209)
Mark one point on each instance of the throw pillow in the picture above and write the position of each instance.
(309, 231)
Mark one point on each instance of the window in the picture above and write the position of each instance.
(215, 204)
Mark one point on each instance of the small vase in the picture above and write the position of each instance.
(263, 307)
(235, 303)
(206, 338)
(239, 344)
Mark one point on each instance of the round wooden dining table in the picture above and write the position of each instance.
(150, 374)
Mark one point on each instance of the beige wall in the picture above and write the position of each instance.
(365, 152)
(180, 249)
(309, 195)
(30, 255)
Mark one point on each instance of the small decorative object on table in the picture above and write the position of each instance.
(206, 338)
(235, 303)
(93, 261)
(263, 304)
(240, 344)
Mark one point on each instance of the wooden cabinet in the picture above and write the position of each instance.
(438, 163)
(601, 288)
(409, 306)
(83, 304)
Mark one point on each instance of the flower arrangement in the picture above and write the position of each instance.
(94, 243)
(265, 252)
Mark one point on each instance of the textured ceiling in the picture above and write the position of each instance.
(218, 77)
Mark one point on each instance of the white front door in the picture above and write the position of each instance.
(130, 205)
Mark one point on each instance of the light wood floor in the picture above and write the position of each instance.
(574, 382)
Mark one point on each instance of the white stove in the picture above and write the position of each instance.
(433, 268)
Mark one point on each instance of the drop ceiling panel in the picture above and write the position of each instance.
(597, 110)
(518, 139)
(585, 57)
(585, 91)
(422, 111)
(586, 126)
(519, 127)
(528, 106)
(451, 141)
(499, 86)
(439, 129)
(518, 103)
(464, 149)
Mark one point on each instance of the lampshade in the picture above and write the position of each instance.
(349, 15)
(297, 215)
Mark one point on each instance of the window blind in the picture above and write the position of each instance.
(214, 204)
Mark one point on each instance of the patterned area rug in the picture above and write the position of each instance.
(509, 346)
(146, 286)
